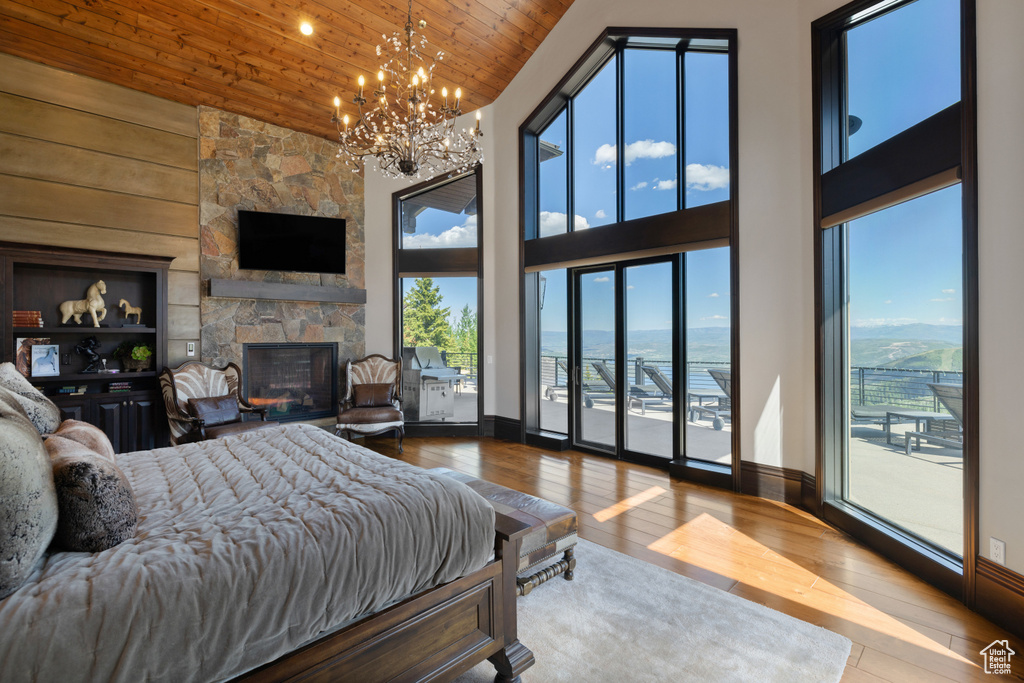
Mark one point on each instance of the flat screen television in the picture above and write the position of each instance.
(303, 244)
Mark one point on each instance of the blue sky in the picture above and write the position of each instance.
(648, 295)
(905, 262)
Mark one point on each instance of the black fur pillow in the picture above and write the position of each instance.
(96, 504)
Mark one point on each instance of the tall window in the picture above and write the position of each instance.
(437, 303)
(893, 234)
(634, 151)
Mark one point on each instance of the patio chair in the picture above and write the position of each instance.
(723, 409)
(587, 390)
(951, 396)
(635, 396)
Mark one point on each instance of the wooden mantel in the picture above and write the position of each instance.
(282, 291)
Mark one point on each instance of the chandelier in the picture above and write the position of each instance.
(400, 126)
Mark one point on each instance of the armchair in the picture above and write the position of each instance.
(202, 402)
(372, 403)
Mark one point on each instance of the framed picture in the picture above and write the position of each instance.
(45, 360)
(23, 353)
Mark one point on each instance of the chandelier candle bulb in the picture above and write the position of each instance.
(337, 108)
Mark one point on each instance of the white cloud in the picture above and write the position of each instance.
(553, 222)
(951, 321)
(457, 236)
(706, 177)
(713, 295)
(641, 149)
(715, 317)
(948, 298)
(600, 214)
(887, 301)
(605, 156)
(631, 287)
(948, 291)
(639, 186)
(666, 184)
(603, 278)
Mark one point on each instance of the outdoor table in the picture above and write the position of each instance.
(916, 415)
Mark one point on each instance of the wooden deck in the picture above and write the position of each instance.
(902, 628)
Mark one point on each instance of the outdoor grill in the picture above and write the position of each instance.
(428, 385)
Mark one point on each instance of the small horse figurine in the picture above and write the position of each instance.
(130, 310)
(92, 304)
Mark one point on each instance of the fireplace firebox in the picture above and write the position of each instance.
(293, 381)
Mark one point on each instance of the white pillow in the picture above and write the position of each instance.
(28, 500)
(41, 411)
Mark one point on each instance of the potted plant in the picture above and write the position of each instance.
(134, 356)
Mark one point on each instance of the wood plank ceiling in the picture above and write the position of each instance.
(249, 57)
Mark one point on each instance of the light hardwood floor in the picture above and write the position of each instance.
(902, 628)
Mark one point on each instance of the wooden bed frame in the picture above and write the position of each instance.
(433, 636)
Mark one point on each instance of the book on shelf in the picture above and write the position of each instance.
(23, 353)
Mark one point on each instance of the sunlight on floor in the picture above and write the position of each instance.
(629, 503)
(711, 544)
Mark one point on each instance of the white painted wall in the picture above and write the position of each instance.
(776, 231)
(1001, 275)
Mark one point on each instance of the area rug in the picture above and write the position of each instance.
(622, 619)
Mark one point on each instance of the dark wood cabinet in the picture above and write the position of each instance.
(39, 278)
(133, 421)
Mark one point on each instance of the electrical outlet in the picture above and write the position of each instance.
(190, 349)
(490, 359)
(997, 550)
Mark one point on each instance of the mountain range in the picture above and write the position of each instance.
(916, 346)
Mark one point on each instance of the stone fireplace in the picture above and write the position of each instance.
(293, 381)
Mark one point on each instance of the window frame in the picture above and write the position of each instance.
(442, 262)
(673, 232)
(938, 152)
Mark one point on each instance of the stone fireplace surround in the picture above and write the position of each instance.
(249, 164)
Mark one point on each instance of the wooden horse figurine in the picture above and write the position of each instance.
(130, 310)
(92, 304)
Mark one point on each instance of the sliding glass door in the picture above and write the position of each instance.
(596, 405)
(650, 369)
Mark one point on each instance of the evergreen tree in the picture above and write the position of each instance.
(425, 320)
(464, 335)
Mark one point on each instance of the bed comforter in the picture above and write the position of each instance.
(247, 547)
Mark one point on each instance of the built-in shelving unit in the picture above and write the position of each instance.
(38, 278)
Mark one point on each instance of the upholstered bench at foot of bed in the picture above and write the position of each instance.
(553, 530)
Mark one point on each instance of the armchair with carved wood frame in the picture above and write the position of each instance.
(197, 381)
(372, 403)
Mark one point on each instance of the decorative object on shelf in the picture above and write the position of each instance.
(403, 130)
(23, 353)
(134, 356)
(92, 304)
(89, 347)
(45, 359)
(129, 311)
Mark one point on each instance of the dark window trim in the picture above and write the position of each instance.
(556, 253)
(461, 262)
(924, 560)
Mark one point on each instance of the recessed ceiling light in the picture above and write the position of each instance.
(306, 28)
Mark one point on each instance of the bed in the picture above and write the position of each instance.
(279, 554)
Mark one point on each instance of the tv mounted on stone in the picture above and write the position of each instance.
(287, 242)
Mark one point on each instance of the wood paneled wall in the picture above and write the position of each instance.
(91, 165)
